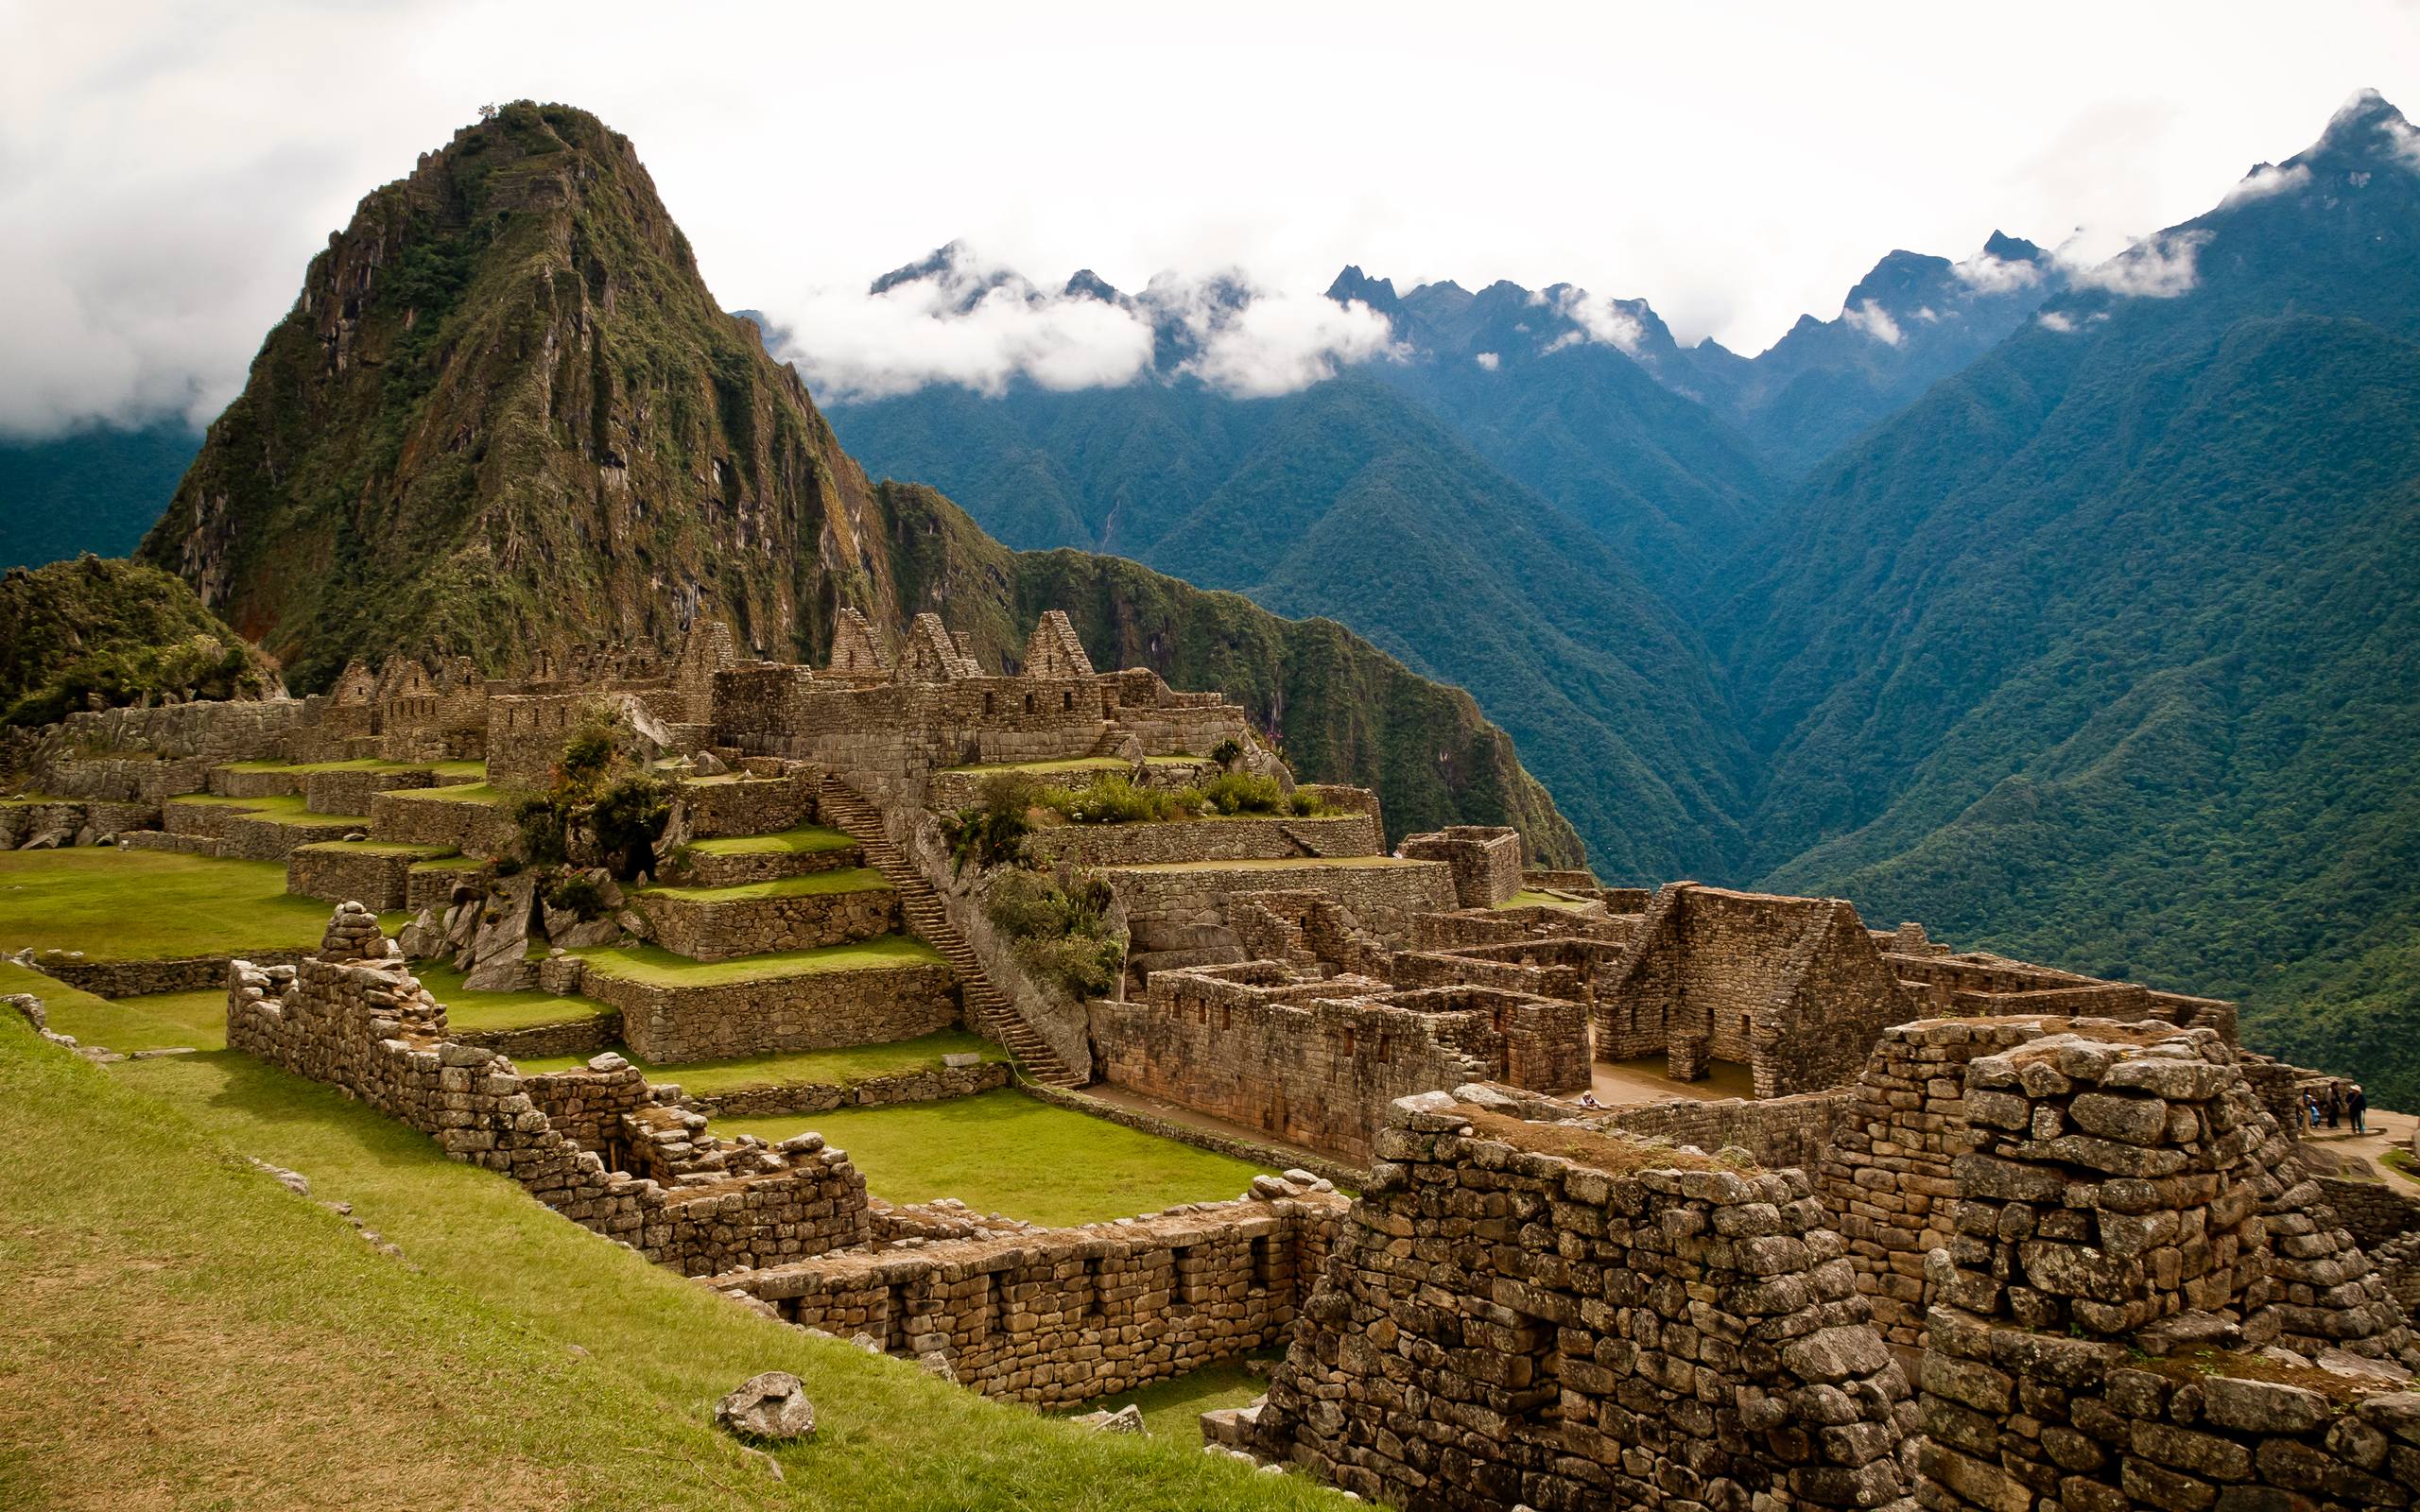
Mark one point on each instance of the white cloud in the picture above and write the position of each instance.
(1987, 274)
(1489, 360)
(970, 323)
(1275, 343)
(1598, 316)
(2058, 320)
(1874, 321)
(2156, 268)
(2265, 180)
(2403, 138)
(1927, 314)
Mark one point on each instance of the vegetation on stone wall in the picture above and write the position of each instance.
(73, 634)
(1058, 923)
(603, 809)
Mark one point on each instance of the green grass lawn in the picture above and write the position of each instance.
(380, 847)
(1005, 1152)
(1172, 1409)
(465, 1009)
(1531, 898)
(806, 840)
(818, 1067)
(486, 793)
(362, 764)
(806, 884)
(509, 1360)
(170, 1020)
(658, 967)
(116, 904)
(285, 808)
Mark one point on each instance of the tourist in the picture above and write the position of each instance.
(2311, 1110)
(2335, 1104)
(1589, 1100)
(2357, 1102)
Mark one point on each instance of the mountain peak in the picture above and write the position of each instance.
(1086, 284)
(1377, 293)
(2365, 129)
(2008, 248)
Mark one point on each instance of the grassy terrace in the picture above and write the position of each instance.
(1277, 864)
(465, 1009)
(1531, 898)
(363, 763)
(817, 1066)
(460, 793)
(806, 840)
(1173, 1409)
(839, 879)
(511, 1360)
(657, 967)
(170, 1020)
(285, 807)
(1005, 1152)
(382, 848)
(1078, 764)
(118, 904)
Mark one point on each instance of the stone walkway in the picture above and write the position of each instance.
(2387, 1131)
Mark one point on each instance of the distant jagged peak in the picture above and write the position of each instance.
(1353, 284)
(2365, 127)
(1086, 284)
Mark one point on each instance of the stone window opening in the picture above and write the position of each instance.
(988, 701)
(891, 1327)
(1179, 1281)
(1744, 1026)
(989, 1323)
(1067, 702)
(1095, 1308)
(1264, 1262)
(1029, 703)
(1537, 1402)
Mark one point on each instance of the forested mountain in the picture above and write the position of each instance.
(2108, 649)
(96, 490)
(505, 413)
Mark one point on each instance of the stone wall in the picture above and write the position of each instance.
(813, 1011)
(355, 1017)
(1792, 987)
(1777, 1131)
(349, 791)
(751, 804)
(1486, 861)
(1523, 1313)
(154, 753)
(708, 928)
(573, 1037)
(375, 875)
(1315, 1061)
(473, 828)
(1069, 1315)
(2373, 1210)
(931, 1085)
(23, 821)
(135, 979)
(1185, 908)
(1207, 839)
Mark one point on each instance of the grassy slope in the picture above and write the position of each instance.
(165, 1020)
(659, 966)
(815, 1067)
(1005, 1152)
(805, 884)
(465, 1009)
(150, 904)
(264, 1357)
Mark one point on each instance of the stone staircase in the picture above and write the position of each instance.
(988, 1010)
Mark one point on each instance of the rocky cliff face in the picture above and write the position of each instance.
(506, 413)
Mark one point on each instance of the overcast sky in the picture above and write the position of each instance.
(166, 169)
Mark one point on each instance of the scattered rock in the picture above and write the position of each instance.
(934, 1362)
(771, 1407)
(1126, 1419)
(294, 1182)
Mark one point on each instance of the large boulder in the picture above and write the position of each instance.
(500, 951)
(772, 1406)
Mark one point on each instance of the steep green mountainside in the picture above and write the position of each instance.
(2107, 650)
(505, 413)
(1351, 500)
(74, 633)
(93, 491)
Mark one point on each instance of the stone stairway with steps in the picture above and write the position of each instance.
(988, 1010)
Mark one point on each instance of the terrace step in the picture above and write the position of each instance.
(741, 860)
(989, 1012)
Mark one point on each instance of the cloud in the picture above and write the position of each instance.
(1598, 318)
(2265, 180)
(1271, 343)
(1874, 321)
(2402, 139)
(1986, 274)
(2156, 268)
(2058, 320)
(1489, 360)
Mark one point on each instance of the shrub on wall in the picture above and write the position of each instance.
(603, 808)
(1058, 923)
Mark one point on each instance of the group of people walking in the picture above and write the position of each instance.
(2338, 1102)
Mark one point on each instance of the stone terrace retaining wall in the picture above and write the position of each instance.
(719, 928)
(752, 805)
(1316, 1062)
(1188, 909)
(816, 1010)
(377, 878)
(474, 829)
(366, 1026)
(351, 791)
(81, 821)
(2375, 1212)
(1486, 860)
(1068, 1315)
(933, 1085)
(572, 1037)
(1581, 1328)
(135, 979)
(1214, 840)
